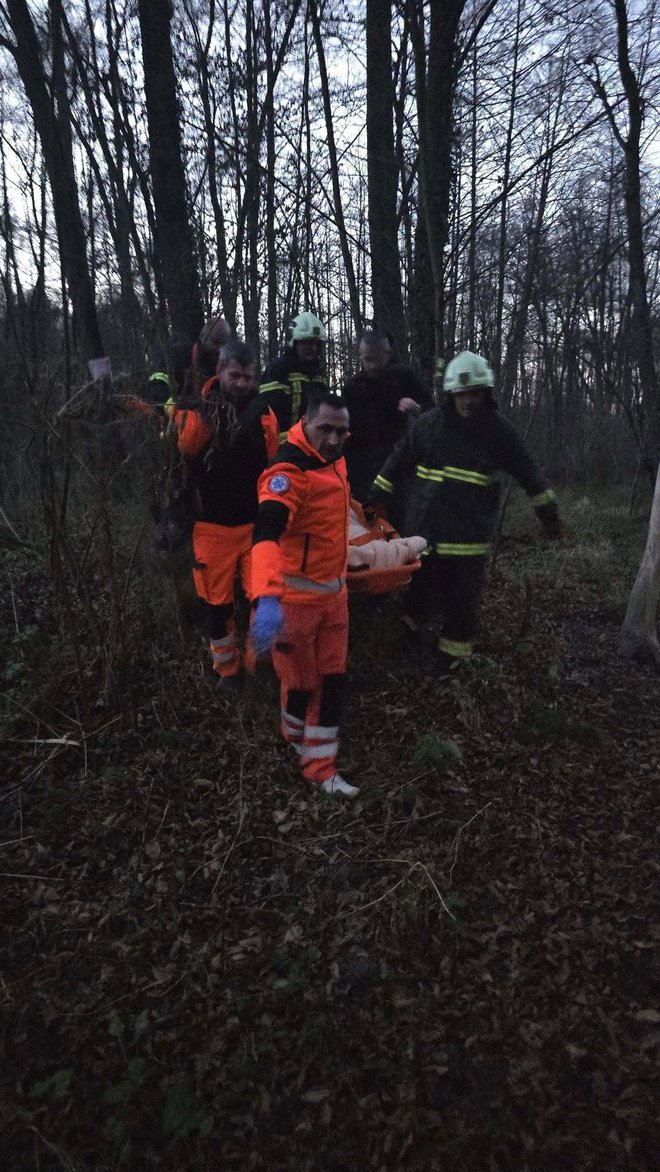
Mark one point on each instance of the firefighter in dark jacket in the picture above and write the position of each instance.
(450, 459)
(286, 381)
(299, 580)
(227, 443)
(381, 399)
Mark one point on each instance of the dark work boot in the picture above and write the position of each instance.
(229, 686)
(443, 666)
(414, 636)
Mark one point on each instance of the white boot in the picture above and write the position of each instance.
(337, 785)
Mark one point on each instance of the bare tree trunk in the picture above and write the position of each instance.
(58, 160)
(203, 49)
(435, 75)
(271, 246)
(174, 244)
(518, 326)
(347, 255)
(496, 356)
(642, 321)
(421, 308)
(383, 175)
(252, 202)
(638, 638)
(472, 251)
(642, 324)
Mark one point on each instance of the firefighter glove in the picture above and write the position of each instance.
(268, 618)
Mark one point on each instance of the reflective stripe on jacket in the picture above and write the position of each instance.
(285, 387)
(308, 497)
(448, 467)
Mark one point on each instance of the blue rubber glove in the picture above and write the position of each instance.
(268, 618)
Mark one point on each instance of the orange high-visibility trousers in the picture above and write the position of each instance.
(309, 657)
(221, 553)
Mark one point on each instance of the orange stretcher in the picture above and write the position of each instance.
(374, 579)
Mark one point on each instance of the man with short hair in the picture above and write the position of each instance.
(227, 442)
(381, 398)
(299, 558)
(287, 379)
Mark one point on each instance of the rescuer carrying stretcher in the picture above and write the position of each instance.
(227, 442)
(448, 464)
(299, 581)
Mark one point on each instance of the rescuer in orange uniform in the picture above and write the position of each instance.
(299, 557)
(227, 443)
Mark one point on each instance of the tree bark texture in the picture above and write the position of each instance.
(435, 76)
(173, 244)
(639, 634)
(642, 323)
(353, 294)
(382, 174)
(58, 161)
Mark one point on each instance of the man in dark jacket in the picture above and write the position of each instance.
(381, 398)
(449, 462)
(227, 442)
(286, 381)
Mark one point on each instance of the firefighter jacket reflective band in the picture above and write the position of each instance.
(285, 384)
(301, 535)
(449, 467)
(227, 449)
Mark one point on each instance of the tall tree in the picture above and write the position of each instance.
(639, 634)
(435, 77)
(47, 101)
(174, 242)
(340, 220)
(630, 144)
(382, 174)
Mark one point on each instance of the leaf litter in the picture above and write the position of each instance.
(459, 969)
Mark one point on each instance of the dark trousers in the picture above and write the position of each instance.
(452, 587)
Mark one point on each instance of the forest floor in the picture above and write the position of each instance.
(206, 965)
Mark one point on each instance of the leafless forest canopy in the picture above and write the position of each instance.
(479, 175)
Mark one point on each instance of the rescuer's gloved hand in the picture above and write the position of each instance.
(267, 621)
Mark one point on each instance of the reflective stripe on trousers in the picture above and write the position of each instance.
(225, 654)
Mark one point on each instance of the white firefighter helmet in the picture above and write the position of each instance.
(306, 327)
(467, 370)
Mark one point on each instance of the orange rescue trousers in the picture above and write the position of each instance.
(221, 553)
(309, 657)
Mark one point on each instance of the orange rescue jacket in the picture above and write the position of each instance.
(300, 539)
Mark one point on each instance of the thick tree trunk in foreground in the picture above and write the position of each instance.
(435, 77)
(383, 176)
(639, 634)
(174, 246)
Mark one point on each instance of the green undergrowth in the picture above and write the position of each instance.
(209, 964)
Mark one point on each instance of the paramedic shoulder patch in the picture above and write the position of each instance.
(279, 483)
